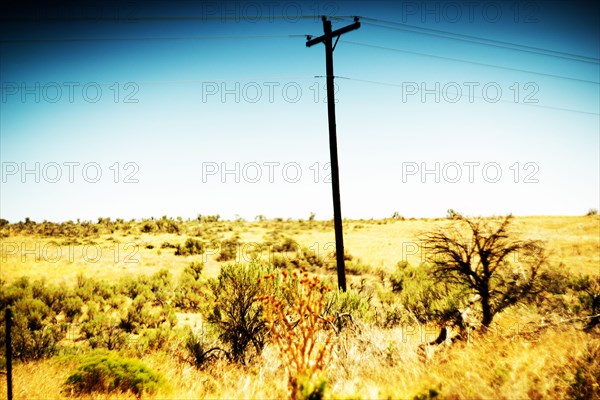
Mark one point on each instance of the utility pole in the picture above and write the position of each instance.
(327, 39)
(8, 322)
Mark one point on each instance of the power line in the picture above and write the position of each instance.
(144, 39)
(480, 40)
(473, 96)
(239, 79)
(125, 19)
(469, 62)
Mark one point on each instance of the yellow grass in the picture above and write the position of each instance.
(369, 362)
(573, 241)
(377, 363)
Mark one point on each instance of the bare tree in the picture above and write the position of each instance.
(486, 258)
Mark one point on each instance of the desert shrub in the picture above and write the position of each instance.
(168, 225)
(161, 286)
(301, 258)
(398, 276)
(294, 306)
(281, 262)
(190, 247)
(134, 287)
(141, 315)
(34, 333)
(587, 289)
(104, 331)
(156, 288)
(93, 289)
(357, 267)
(208, 218)
(192, 293)
(586, 377)
(229, 249)
(137, 315)
(346, 307)
(286, 244)
(194, 270)
(312, 257)
(49, 295)
(149, 227)
(200, 348)
(347, 256)
(425, 298)
(237, 315)
(107, 372)
(153, 339)
(394, 315)
(10, 294)
(71, 306)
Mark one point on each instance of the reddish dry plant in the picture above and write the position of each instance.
(293, 307)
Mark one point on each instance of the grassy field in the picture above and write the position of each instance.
(530, 352)
(572, 241)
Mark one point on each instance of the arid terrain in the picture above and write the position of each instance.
(156, 291)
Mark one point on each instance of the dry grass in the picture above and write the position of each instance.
(377, 363)
(367, 362)
(573, 241)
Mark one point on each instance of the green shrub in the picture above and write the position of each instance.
(587, 289)
(92, 289)
(192, 293)
(104, 331)
(156, 288)
(422, 296)
(71, 306)
(190, 248)
(280, 261)
(346, 307)
(200, 349)
(141, 314)
(161, 286)
(285, 245)
(194, 270)
(149, 227)
(107, 372)
(229, 249)
(153, 339)
(34, 332)
(168, 225)
(312, 257)
(237, 315)
(19, 289)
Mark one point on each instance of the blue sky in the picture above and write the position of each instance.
(187, 108)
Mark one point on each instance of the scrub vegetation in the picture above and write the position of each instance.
(455, 307)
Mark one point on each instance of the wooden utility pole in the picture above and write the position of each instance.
(8, 323)
(327, 39)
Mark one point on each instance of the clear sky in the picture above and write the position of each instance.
(183, 108)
